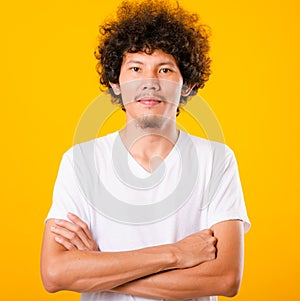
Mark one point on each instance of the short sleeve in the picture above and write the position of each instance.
(67, 196)
(226, 195)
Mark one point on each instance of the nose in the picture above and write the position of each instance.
(150, 84)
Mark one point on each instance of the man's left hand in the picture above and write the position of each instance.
(74, 235)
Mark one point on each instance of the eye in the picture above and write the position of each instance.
(135, 69)
(165, 70)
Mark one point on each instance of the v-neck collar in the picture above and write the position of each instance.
(137, 165)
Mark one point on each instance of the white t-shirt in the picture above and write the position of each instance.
(196, 186)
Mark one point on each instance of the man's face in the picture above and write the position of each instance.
(150, 86)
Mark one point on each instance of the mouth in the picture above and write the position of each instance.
(149, 101)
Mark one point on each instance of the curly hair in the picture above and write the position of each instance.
(148, 25)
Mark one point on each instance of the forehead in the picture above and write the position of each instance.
(157, 57)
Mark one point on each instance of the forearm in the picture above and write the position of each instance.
(82, 271)
(221, 276)
(97, 271)
(203, 280)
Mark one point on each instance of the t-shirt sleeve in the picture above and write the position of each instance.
(226, 195)
(67, 196)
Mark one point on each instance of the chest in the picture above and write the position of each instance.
(113, 235)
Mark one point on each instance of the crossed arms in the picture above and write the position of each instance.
(207, 263)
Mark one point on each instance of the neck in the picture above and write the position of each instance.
(149, 146)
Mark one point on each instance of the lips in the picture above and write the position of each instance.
(149, 101)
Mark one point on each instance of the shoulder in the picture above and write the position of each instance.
(209, 148)
(88, 147)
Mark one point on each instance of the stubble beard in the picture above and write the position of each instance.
(150, 122)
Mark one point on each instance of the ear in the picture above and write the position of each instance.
(186, 90)
(116, 88)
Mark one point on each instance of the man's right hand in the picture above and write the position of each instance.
(195, 249)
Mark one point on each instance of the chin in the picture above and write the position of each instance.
(150, 122)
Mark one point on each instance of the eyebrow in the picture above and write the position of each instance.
(160, 64)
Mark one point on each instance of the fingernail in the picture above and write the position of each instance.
(57, 239)
(52, 228)
(57, 221)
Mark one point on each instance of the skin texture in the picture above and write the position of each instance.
(208, 262)
(220, 276)
(82, 271)
(150, 77)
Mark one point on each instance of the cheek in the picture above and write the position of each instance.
(169, 91)
(172, 92)
(129, 91)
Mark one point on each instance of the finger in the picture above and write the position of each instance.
(74, 229)
(65, 243)
(69, 236)
(75, 219)
(81, 229)
(66, 224)
(86, 235)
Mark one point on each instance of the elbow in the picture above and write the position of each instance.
(231, 285)
(50, 287)
(51, 279)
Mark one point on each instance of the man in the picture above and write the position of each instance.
(148, 212)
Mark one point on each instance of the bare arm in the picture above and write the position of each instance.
(92, 271)
(218, 277)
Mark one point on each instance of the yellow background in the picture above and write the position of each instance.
(48, 79)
